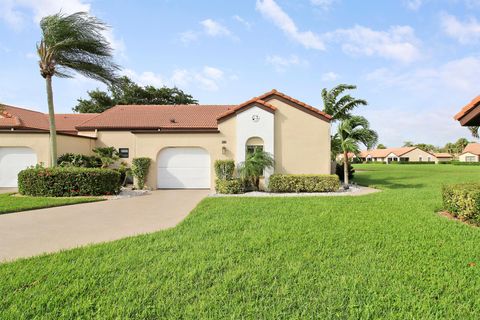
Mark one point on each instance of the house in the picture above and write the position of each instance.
(470, 114)
(183, 141)
(397, 154)
(351, 157)
(443, 157)
(471, 153)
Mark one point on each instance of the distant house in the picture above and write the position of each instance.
(470, 114)
(443, 157)
(351, 156)
(404, 154)
(471, 153)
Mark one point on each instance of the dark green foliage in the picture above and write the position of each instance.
(140, 168)
(224, 169)
(79, 160)
(303, 183)
(340, 172)
(125, 91)
(462, 200)
(232, 186)
(252, 168)
(107, 155)
(412, 162)
(463, 163)
(68, 182)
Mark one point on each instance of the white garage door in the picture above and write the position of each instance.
(183, 168)
(12, 161)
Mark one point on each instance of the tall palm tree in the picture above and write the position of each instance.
(352, 132)
(474, 132)
(73, 43)
(340, 107)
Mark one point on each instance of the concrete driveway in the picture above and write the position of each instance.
(30, 233)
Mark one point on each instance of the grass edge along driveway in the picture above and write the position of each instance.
(10, 203)
(384, 255)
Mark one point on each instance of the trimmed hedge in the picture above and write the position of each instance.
(233, 186)
(68, 182)
(224, 169)
(79, 160)
(460, 163)
(412, 162)
(140, 168)
(303, 183)
(462, 200)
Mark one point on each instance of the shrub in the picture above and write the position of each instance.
(68, 182)
(233, 186)
(339, 171)
(79, 160)
(460, 163)
(413, 162)
(140, 167)
(303, 183)
(224, 169)
(107, 155)
(462, 200)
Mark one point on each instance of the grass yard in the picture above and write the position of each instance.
(384, 255)
(11, 203)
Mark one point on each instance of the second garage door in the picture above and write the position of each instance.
(12, 161)
(183, 168)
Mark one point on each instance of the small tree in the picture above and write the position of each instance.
(254, 165)
(108, 155)
(140, 168)
(224, 169)
(381, 146)
(351, 132)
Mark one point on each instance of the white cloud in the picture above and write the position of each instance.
(324, 4)
(209, 78)
(15, 13)
(214, 28)
(188, 36)
(245, 23)
(413, 4)
(282, 63)
(464, 32)
(398, 43)
(330, 76)
(272, 11)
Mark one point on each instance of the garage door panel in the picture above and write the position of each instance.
(12, 161)
(183, 168)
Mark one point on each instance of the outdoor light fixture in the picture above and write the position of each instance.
(224, 150)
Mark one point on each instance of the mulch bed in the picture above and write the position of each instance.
(450, 216)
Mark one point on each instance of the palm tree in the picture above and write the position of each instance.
(340, 107)
(252, 168)
(73, 43)
(474, 131)
(351, 132)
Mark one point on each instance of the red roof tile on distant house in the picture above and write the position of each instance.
(473, 148)
(382, 153)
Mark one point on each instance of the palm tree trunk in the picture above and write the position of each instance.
(51, 117)
(345, 168)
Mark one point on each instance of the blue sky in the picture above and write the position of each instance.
(416, 62)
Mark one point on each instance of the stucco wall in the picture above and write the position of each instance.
(462, 157)
(70, 144)
(302, 141)
(415, 155)
(38, 142)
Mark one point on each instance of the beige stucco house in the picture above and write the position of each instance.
(471, 153)
(406, 154)
(183, 141)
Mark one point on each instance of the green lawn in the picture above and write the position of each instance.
(12, 203)
(384, 255)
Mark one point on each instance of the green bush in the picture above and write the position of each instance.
(79, 160)
(459, 163)
(339, 171)
(462, 200)
(224, 169)
(140, 168)
(68, 182)
(232, 186)
(303, 183)
(412, 162)
(107, 155)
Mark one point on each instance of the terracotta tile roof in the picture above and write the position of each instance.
(473, 148)
(382, 153)
(252, 101)
(443, 155)
(467, 108)
(274, 92)
(24, 119)
(157, 117)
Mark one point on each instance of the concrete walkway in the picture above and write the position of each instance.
(30, 233)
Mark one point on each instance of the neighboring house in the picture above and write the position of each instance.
(397, 154)
(471, 153)
(183, 141)
(470, 114)
(443, 157)
(351, 156)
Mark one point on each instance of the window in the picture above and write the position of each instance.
(470, 159)
(429, 159)
(123, 152)
(252, 149)
(420, 159)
